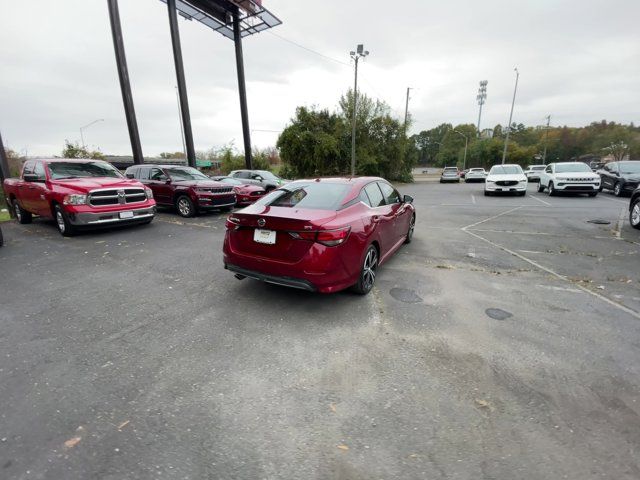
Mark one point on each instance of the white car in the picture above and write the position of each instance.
(533, 172)
(474, 174)
(574, 177)
(506, 179)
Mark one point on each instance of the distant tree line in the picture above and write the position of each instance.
(442, 146)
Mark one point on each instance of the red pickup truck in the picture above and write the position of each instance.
(78, 194)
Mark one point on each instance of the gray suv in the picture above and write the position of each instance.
(263, 178)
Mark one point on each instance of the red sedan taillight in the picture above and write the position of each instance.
(232, 223)
(330, 238)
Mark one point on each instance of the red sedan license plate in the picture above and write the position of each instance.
(264, 236)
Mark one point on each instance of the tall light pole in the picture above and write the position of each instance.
(481, 97)
(87, 126)
(357, 55)
(184, 145)
(466, 142)
(546, 139)
(506, 140)
(406, 111)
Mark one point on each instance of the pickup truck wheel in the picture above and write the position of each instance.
(552, 191)
(617, 189)
(64, 226)
(21, 215)
(185, 207)
(540, 188)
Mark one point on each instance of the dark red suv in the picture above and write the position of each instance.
(185, 188)
(320, 235)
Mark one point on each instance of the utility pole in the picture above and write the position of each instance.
(466, 142)
(506, 140)
(481, 97)
(406, 111)
(546, 138)
(357, 55)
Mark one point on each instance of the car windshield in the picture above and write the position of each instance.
(61, 170)
(572, 167)
(505, 170)
(267, 175)
(229, 180)
(629, 167)
(537, 167)
(185, 173)
(316, 196)
(477, 170)
(450, 169)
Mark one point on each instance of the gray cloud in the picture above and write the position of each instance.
(579, 61)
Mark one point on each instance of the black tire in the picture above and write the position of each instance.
(634, 213)
(1, 238)
(593, 194)
(185, 206)
(367, 277)
(522, 194)
(412, 226)
(487, 193)
(540, 188)
(552, 191)
(226, 209)
(22, 216)
(62, 222)
(601, 186)
(617, 189)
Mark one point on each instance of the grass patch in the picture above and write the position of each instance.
(5, 217)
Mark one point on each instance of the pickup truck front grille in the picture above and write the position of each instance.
(216, 190)
(119, 196)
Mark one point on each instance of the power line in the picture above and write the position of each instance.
(309, 49)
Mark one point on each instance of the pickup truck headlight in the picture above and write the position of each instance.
(148, 192)
(74, 199)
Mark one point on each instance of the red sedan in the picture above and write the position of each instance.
(246, 194)
(321, 235)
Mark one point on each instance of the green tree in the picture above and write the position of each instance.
(75, 150)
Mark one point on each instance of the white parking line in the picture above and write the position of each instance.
(473, 198)
(614, 199)
(540, 200)
(492, 218)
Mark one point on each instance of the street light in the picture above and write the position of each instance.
(357, 55)
(466, 142)
(546, 139)
(481, 97)
(506, 140)
(87, 126)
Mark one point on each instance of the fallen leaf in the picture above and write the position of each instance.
(343, 447)
(123, 424)
(482, 403)
(332, 407)
(72, 442)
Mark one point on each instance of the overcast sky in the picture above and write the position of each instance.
(579, 60)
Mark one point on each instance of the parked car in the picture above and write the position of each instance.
(185, 188)
(463, 173)
(475, 175)
(263, 178)
(245, 194)
(595, 166)
(78, 194)
(321, 235)
(506, 179)
(572, 177)
(450, 174)
(634, 209)
(533, 172)
(622, 178)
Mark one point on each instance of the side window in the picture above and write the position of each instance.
(364, 198)
(143, 173)
(614, 167)
(243, 175)
(391, 195)
(39, 171)
(549, 169)
(157, 175)
(28, 167)
(375, 195)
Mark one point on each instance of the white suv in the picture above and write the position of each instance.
(574, 177)
(506, 179)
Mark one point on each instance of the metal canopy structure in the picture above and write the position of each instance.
(218, 15)
(234, 19)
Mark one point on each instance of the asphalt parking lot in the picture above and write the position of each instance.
(502, 343)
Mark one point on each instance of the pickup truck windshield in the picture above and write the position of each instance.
(186, 173)
(61, 170)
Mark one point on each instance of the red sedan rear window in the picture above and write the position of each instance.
(317, 196)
